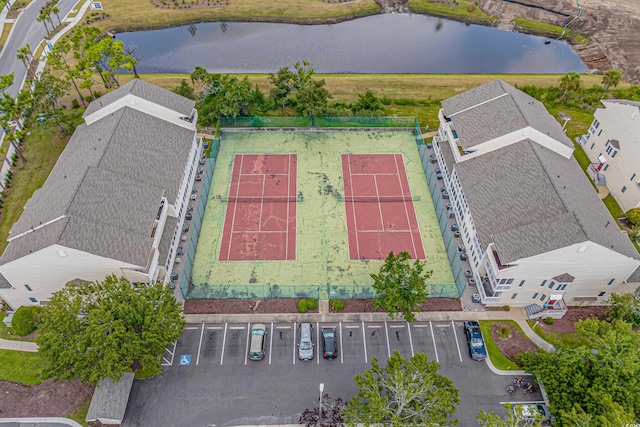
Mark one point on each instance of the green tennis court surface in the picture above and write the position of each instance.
(322, 248)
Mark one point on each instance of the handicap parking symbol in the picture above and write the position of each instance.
(185, 359)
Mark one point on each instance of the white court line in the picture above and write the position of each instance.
(375, 183)
(435, 348)
(214, 327)
(246, 351)
(386, 330)
(294, 343)
(364, 341)
(286, 244)
(355, 223)
(410, 340)
(406, 209)
(264, 179)
(200, 345)
(341, 352)
(224, 339)
(235, 205)
(271, 343)
(457, 343)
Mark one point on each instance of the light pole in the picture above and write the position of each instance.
(320, 403)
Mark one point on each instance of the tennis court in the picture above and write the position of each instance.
(379, 209)
(260, 222)
(236, 253)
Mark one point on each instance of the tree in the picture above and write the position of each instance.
(311, 99)
(185, 90)
(513, 418)
(10, 109)
(633, 217)
(610, 78)
(57, 59)
(400, 286)
(56, 10)
(43, 18)
(103, 329)
(570, 82)
(282, 83)
(625, 307)
(330, 416)
(47, 91)
(368, 104)
(598, 379)
(108, 57)
(405, 392)
(24, 55)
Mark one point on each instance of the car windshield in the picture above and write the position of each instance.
(476, 342)
(328, 333)
(257, 332)
(305, 345)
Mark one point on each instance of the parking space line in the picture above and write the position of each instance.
(396, 326)
(224, 339)
(386, 331)
(281, 327)
(420, 326)
(294, 343)
(341, 352)
(200, 345)
(364, 341)
(457, 343)
(435, 348)
(542, 402)
(237, 327)
(246, 351)
(214, 327)
(317, 341)
(410, 340)
(271, 343)
(191, 327)
(374, 326)
(172, 353)
(351, 326)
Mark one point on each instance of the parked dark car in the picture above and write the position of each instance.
(329, 347)
(185, 228)
(463, 256)
(188, 216)
(174, 275)
(477, 349)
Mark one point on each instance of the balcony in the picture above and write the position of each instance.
(584, 139)
(596, 176)
(555, 308)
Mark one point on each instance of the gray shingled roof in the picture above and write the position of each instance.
(564, 278)
(623, 101)
(165, 240)
(147, 91)
(615, 143)
(108, 183)
(501, 109)
(4, 283)
(110, 399)
(530, 200)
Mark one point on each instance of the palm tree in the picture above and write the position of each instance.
(56, 10)
(42, 18)
(610, 78)
(570, 82)
(24, 57)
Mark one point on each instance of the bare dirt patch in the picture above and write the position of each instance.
(567, 325)
(242, 306)
(49, 399)
(516, 343)
(435, 304)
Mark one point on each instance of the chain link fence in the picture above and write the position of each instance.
(266, 123)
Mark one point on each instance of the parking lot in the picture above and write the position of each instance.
(208, 378)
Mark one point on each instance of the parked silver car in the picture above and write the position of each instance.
(258, 338)
(305, 342)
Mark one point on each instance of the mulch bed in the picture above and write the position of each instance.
(288, 305)
(567, 325)
(516, 343)
(49, 399)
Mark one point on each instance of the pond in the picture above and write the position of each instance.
(388, 43)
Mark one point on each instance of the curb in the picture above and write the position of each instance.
(43, 420)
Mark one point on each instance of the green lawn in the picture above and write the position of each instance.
(20, 367)
(459, 9)
(497, 358)
(543, 28)
(613, 206)
(80, 413)
(558, 340)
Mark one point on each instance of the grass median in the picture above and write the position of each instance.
(20, 367)
(498, 359)
(558, 340)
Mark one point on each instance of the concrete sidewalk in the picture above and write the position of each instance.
(18, 345)
(516, 314)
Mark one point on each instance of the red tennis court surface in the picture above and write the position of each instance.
(380, 213)
(260, 222)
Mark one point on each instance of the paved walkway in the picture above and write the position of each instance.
(39, 422)
(516, 314)
(18, 345)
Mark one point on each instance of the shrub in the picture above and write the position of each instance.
(471, 7)
(633, 217)
(312, 304)
(337, 305)
(75, 103)
(302, 306)
(506, 308)
(548, 320)
(504, 332)
(25, 320)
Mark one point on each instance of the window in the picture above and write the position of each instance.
(582, 248)
(521, 284)
(599, 132)
(534, 296)
(552, 284)
(28, 288)
(632, 176)
(514, 296)
(596, 123)
(543, 297)
(609, 148)
(611, 282)
(614, 153)
(601, 294)
(32, 299)
(543, 283)
(561, 287)
(606, 166)
(624, 188)
(62, 253)
(592, 145)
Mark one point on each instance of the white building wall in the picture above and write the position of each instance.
(621, 122)
(592, 266)
(49, 269)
